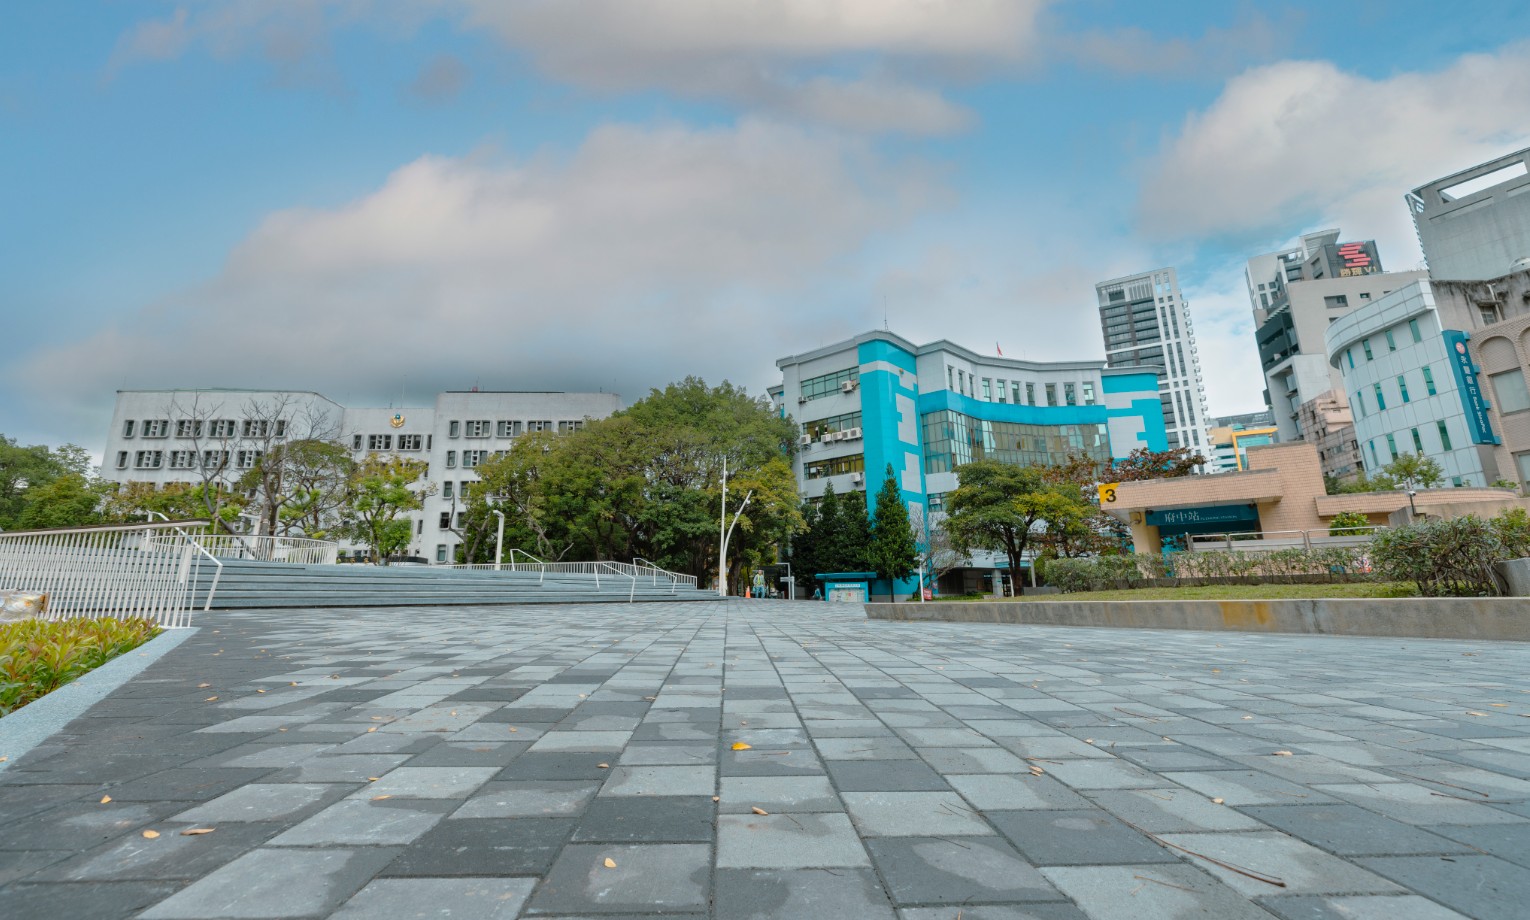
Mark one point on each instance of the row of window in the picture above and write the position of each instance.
(187, 459)
(829, 384)
(820, 427)
(818, 469)
(214, 428)
(385, 442)
(1361, 409)
(989, 389)
(1391, 339)
(506, 428)
(1418, 445)
(952, 439)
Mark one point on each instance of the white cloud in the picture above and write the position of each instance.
(642, 256)
(1301, 143)
(866, 65)
(1216, 52)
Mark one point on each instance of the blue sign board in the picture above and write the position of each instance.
(1472, 398)
(1211, 514)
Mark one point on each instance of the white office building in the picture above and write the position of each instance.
(1146, 323)
(201, 436)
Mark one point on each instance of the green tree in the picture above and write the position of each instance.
(300, 486)
(998, 506)
(68, 501)
(23, 469)
(1414, 471)
(1349, 524)
(1143, 463)
(381, 492)
(892, 554)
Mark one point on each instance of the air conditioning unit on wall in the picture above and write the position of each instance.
(805, 440)
(852, 434)
(847, 387)
(857, 478)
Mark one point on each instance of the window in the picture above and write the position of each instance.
(987, 389)
(1014, 392)
(961, 382)
(355, 442)
(543, 425)
(1489, 313)
(446, 521)
(1375, 464)
(188, 428)
(419, 527)
(936, 502)
(1070, 394)
(256, 428)
(183, 459)
(1001, 390)
(1336, 301)
(1391, 342)
(1402, 388)
(440, 552)
(950, 377)
(149, 459)
(1051, 394)
(1349, 355)
(953, 438)
(1429, 381)
(507, 429)
(817, 429)
(429, 441)
(451, 459)
(477, 428)
(127, 428)
(122, 459)
(379, 442)
(1523, 462)
(222, 428)
(471, 458)
(461, 520)
(453, 429)
(1418, 442)
(1392, 446)
(1088, 393)
(214, 459)
(156, 428)
(1413, 329)
(1381, 401)
(830, 384)
(1444, 436)
(281, 428)
(246, 459)
(834, 467)
(1509, 388)
(1365, 345)
(1360, 398)
(446, 489)
(1030, 394)
(410, 442)
(1365, 295)
(570, 425)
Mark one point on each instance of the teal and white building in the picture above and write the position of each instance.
(879, 399)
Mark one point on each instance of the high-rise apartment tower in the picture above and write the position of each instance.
(1146, 323)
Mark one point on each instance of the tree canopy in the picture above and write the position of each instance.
(1002, 508)
(892, 552)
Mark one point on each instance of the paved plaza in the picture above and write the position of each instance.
(777, 760)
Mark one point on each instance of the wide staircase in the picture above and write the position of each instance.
(247, 583)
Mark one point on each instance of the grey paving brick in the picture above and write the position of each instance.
(528, 799)
(885, 776)
(1022, 791)
(937, 870)
(1172, 809)
(1349, 830)
(98, 901)
(1358, 907)
(647, 819)
(431, 898)
(1136, 892)
(362, 822)
(171, 855)
(913, 814)
(1304, 868)
(787, 841)
(1481, 887)
(430, 782)
(647, 878)
(778, 793)
(788, 894)
(484, 847)
(266, 802)
(275, 883)
(1076, 838)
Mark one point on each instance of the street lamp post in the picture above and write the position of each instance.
(499, 539)
(1412, 508)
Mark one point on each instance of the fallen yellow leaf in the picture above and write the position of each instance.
(759, 811)
(197, 831)
(1474, 713)
(1216, 801)
(741, 746)
(604, 766)
(610, 863)
(372, 729)
(203, 686)
(151, 834)
(1284, 754)
(209, 699)
(717, 798)
(379, 798)
(105, 799)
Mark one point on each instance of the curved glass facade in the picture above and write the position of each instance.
(953, 438)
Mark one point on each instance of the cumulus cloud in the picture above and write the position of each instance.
(867, 65)
(1294, 144)
(1216, 52)
(641, 256)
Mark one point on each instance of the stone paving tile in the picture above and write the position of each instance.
(901, 747)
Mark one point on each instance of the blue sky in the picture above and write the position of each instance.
(358, 195)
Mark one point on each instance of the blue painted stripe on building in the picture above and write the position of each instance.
(1009, 412)
(1129, 383)
(869, 352)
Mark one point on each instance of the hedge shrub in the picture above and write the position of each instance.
(39, 656)
(1445, 558)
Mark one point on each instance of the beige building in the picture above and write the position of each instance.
(1280, 495)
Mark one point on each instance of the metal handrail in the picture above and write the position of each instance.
(1205, 541)
(632, 594)
(267, 548)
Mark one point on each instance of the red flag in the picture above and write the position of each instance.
(998, 349)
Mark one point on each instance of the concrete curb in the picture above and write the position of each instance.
(34, 723)
(1489, 618)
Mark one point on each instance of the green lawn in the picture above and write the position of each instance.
(1238, 592)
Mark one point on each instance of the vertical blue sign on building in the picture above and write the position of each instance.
(1472, 398)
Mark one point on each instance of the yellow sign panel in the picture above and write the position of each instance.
(1108, 493)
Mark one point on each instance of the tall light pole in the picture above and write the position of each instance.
(499, 538)
(725, 531)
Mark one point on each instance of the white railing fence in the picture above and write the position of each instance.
(295, 550)
(1256, 541)
(636, 572)
(150, 570)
